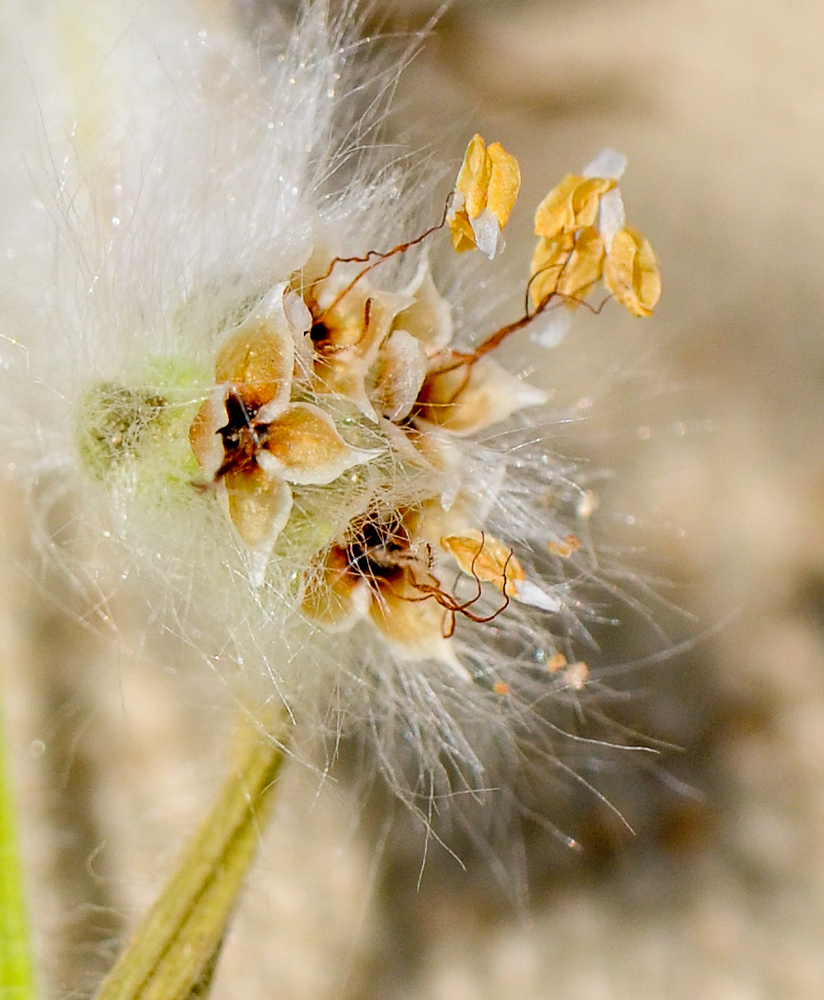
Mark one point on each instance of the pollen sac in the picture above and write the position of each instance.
(566, 548)
(572, 205)
(631, 272)
(583, 238)
(484, 557)
(569, 257)
(548, 263)
(566, 266)
(485, 193)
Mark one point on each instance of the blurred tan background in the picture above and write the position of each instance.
(712, 415)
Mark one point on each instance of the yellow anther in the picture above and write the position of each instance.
(571, 205)
(485, 193)
(631, 272)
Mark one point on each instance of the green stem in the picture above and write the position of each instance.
(16, 968)
(172, 953)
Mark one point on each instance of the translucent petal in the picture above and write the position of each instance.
(399, 375)
(440, 451)
(257, 358)
(413, 624)
(259, 507)
(300, 320)
(344, 375)
(304, 446)
(469, 397)
(206, 443)
(429, 317)
(297, 314)
(329, 595)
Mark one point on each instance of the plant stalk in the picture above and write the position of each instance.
(172, 954)
(17, 980)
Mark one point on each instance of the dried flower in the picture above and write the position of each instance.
(254, 436)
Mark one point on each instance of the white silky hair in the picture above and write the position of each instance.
(169, 174)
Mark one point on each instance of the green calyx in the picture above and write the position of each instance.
(140, 429)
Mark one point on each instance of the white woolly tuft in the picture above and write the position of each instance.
(162, 193)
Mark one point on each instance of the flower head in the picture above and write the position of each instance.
(256, 434)
(338, 486)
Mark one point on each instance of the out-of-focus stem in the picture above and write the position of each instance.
(172, 953)
(16, 968)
